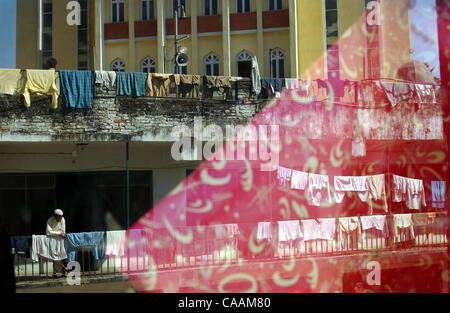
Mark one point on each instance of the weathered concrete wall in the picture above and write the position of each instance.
(112, 118)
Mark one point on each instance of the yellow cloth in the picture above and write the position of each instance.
(159, 85)
(377, 191)
(9, 81)
(349, 231)
(41, 82)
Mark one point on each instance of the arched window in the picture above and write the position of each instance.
(147, 10)
(277, 64)
(210, 7)
(148, 65)
(243, 6)
(181, 69)
(117, 11)
(118, 66)
(275, 5)
(244, 64)
(212, 65)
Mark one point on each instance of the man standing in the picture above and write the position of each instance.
(56, 226)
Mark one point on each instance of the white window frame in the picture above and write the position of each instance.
(148, 63)
(211, 59)
(243, 5)
(179, 3)
(148, 10)
(118, 65)
(275, 5)
(210, 7)
(277, 54)
(118, 2)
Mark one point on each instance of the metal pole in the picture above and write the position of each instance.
(176, 48)
(128, 182)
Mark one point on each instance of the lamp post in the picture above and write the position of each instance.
(183, 16)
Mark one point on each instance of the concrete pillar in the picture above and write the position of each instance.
(98, 39)
(161, 33)
(293, 34)
(226, 38)
(131, 39)
(260, 36)
(194, 37)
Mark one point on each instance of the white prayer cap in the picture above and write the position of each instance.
(59, 212)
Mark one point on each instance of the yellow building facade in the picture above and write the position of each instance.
(290, 38)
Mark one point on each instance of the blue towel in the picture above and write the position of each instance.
(131, 84)
(78, 240)
(438, 194)
(20, 243)
(77, 88)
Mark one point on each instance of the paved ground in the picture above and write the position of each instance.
(111, 287)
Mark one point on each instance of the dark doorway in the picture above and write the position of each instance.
(244, 68)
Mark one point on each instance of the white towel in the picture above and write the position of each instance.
(375, 221)
(351, 183)
(299, 180)
(399, 188)
(319, 189)
(115, 243)
(325, 228)
(405, 222)
(48, 247)
(105, 78)
(292, 83)
(284, 175)
(264, 231)
(289, 230)
(226, 231)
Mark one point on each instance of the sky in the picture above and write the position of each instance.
(8, 33)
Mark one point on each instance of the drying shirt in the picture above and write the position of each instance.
(403, 221)
(10, 81)
(106, 78)
(20, 243)
(397, 91)
(159, 85)
(227, 231)
(375, 221)
(423, 219)
(348, 225)
(283, 175)
(415, 194)
(255, 76)
(292, 83)
(351, 183)
(48, 248)
(289, 230)
(319, 189)
(425, 93)
(55, 228)
(115, 243)
(438, 194)
(323, 228)
(299, 180)
(94, 239)
(131, 84)
(77, 88)
(377, 190)
(399, 188)
(41, 82)
(264, 230)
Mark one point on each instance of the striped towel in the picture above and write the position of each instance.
(77, 88)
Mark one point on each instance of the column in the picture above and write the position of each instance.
(226, 39)
(260, 36)
(194, 38)
(293, 33)
(131, 41)
(98, 39)
(161, 33)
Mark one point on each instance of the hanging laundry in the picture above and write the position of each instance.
(322, 90)
(426, 94)
(397, 92)
(305, 85)
(48, 248)
(264, 231)
(423, 222)
(338, 87)
(438, 194)
(161, 245)
(159, 85)
(377, 191)
(322, 228)
(189, 85)
(349, 227)
(203, 242)
(94, 239)
(403, 227)
(10, 81)
(41, 82)
(115, 243)
(350, 89)
(220, 83)
(343, 184)
(292, 83)
(409, 190)
(77, 88)
(107, 79)
(319, 189)
(284, 175)
(375, 221)
(299, 180)
(289, 230)
(256, 77)
(131, 84)
(227, 231)
(20, 244)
